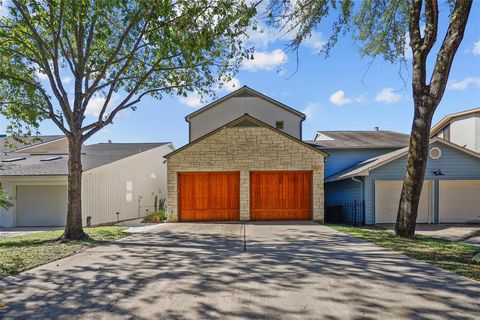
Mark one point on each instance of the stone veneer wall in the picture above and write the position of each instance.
(246, 149)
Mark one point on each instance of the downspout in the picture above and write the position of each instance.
(361, 187)
(361, 197)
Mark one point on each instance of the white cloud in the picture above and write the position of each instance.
(3, 8)
(407, 50)
(264, 35)
(95, 106)
(264, 60)
(360, 99)
(229, 86)
(388, 95)
(465, 83)
(476, 48)
(310, 110)
(316, 42)
(40, 75)
(193, 100)
(67, 80)
(261, 36)
(339, 98)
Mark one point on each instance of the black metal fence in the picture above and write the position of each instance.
(348, 212)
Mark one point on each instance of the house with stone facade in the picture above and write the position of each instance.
(245, 161)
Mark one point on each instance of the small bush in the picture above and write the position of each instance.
(155, 217)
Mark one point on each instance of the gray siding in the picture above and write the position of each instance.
(230, 109)
(340, 159)
(456, 165)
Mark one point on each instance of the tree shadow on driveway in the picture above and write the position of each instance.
(200, 271)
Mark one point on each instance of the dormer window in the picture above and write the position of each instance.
(279, 125)
(322, 137)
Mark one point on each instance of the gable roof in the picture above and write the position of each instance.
(245, 91)
(33, 142)
(93, 156)
(363, 168)
(449, 117)
(241, 121)
(360, 139)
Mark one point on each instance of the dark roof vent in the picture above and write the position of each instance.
(51, 158)
(14, 159)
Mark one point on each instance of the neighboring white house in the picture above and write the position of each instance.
(123, 178)
(240, 102)
(462, 128)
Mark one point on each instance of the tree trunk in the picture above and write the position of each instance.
(416, 165)
(73, 229)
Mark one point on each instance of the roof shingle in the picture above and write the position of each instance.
(361, 139)
(93, 156)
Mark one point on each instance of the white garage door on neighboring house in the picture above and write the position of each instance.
(459, 201)
(387, 198)
(41, 205)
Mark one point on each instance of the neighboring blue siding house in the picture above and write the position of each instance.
(348, 148)
(450, 193)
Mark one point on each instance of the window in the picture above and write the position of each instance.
(129, 193)
(279, 125)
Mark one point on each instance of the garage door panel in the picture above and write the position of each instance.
(459, 201)
(281, 195)
(387, 199)
(41, 206)
(209, 196)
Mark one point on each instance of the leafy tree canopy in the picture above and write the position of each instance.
(380, 27)
(129, 48)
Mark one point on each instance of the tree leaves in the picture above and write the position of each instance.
(123, 47)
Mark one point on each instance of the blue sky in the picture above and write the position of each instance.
(342, 92)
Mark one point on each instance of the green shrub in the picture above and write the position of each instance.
(155, 217)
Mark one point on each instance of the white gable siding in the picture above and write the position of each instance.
(127, 186)
(232, 108)
(462, 131)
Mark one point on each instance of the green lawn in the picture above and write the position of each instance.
(21, 253)
(453, 256)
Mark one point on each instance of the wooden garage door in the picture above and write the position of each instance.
(281, 195)
(209, 196)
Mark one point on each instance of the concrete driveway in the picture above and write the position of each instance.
(200, 271)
